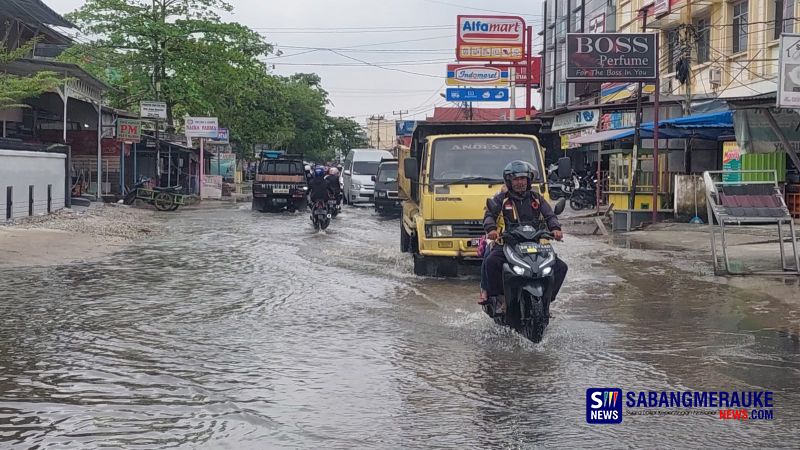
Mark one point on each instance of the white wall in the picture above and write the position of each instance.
(20, 169)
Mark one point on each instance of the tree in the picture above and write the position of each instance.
(13, 88)
(345, 134)
(168, 49)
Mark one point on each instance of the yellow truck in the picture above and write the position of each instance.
(445, 178)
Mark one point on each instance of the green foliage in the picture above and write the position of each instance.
(180, 52)
(14, 89)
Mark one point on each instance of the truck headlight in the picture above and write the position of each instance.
(381, 194)
(441, 231)
(356, 186)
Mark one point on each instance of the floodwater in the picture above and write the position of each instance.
(247, 330)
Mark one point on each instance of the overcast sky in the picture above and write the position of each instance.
(368, 31)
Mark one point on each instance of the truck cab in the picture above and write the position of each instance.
(445, 178)
(279, 183)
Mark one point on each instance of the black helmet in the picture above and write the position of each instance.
(516, 169)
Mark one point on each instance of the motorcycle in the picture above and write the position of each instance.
(585, 197)
(334, 206)
(527, 280)
(320, 215)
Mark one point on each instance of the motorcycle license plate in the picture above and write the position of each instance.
(535, 248)
(280, 190)
(279, 200)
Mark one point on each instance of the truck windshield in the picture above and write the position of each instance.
(281, 168)
(388, 174)
(365, 167)
(480, 158)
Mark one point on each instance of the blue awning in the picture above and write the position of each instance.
(705, 126)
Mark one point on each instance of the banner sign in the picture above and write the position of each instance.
(202, 127)
(596, 57)
(490, 38)
(477, 94)
(731, 161)
(153, 110)
(476, 75)
(521, 72)
(789, 72)
(129, 130)
(404, 127)
(223, 137)
(577, 119)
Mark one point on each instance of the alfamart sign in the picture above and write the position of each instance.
(495, 38)
(595, 57)
(476, 75)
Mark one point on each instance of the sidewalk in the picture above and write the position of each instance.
(749, 249)
(69, 235)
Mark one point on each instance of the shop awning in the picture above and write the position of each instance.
(703, 126)
(600, 136)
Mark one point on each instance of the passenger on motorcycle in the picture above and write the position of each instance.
(318, 187)
(335, 186)
(519, 205)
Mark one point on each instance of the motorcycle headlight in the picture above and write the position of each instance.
(546, 271)
(381, 194)
(519, 270)
(305, 188)
(356, 186)
(440, 231)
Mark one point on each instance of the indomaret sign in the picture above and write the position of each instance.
(612, 57)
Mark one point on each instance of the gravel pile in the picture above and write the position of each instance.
(99, 219)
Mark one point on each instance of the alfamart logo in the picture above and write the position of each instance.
(604, 405)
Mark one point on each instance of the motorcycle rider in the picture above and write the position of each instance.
(519, 205)
(318, 188)
(335, 186)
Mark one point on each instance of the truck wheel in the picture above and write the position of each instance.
(405, 239)
(420, 265)
(443, 267)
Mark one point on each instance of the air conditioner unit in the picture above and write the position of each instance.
(715, 76)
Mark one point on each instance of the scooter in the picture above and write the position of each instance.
(320, 215)
(585, 197)
(527, 280)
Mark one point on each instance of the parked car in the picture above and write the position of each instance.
(359, 167)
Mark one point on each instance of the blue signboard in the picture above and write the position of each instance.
(404, 127)
(477, 94)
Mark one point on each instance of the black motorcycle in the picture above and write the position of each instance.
(585, 197)
(527, 276)
(320, 215)
(334, 206)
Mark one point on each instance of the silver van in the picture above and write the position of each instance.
(359, 167)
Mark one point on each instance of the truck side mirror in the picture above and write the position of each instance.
(560, 204)
(411, 168)
(372, 178)
(564, 168)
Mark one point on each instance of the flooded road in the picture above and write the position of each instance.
(246, 330)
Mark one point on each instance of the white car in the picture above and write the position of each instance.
(359, 167)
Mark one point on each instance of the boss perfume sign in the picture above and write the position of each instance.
(595, 57)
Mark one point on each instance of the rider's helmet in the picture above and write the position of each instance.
(307, 168)
(516, 169)
(333, 171)
(319, 172)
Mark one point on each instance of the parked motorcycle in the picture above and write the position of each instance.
(320, 215)
(527, 277)
(585, 197)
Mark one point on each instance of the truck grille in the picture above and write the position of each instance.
(468, 230)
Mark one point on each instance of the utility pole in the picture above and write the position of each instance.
(400, 113)
(378, 119)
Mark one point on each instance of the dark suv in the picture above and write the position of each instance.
(386, 200)
(280, 184)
